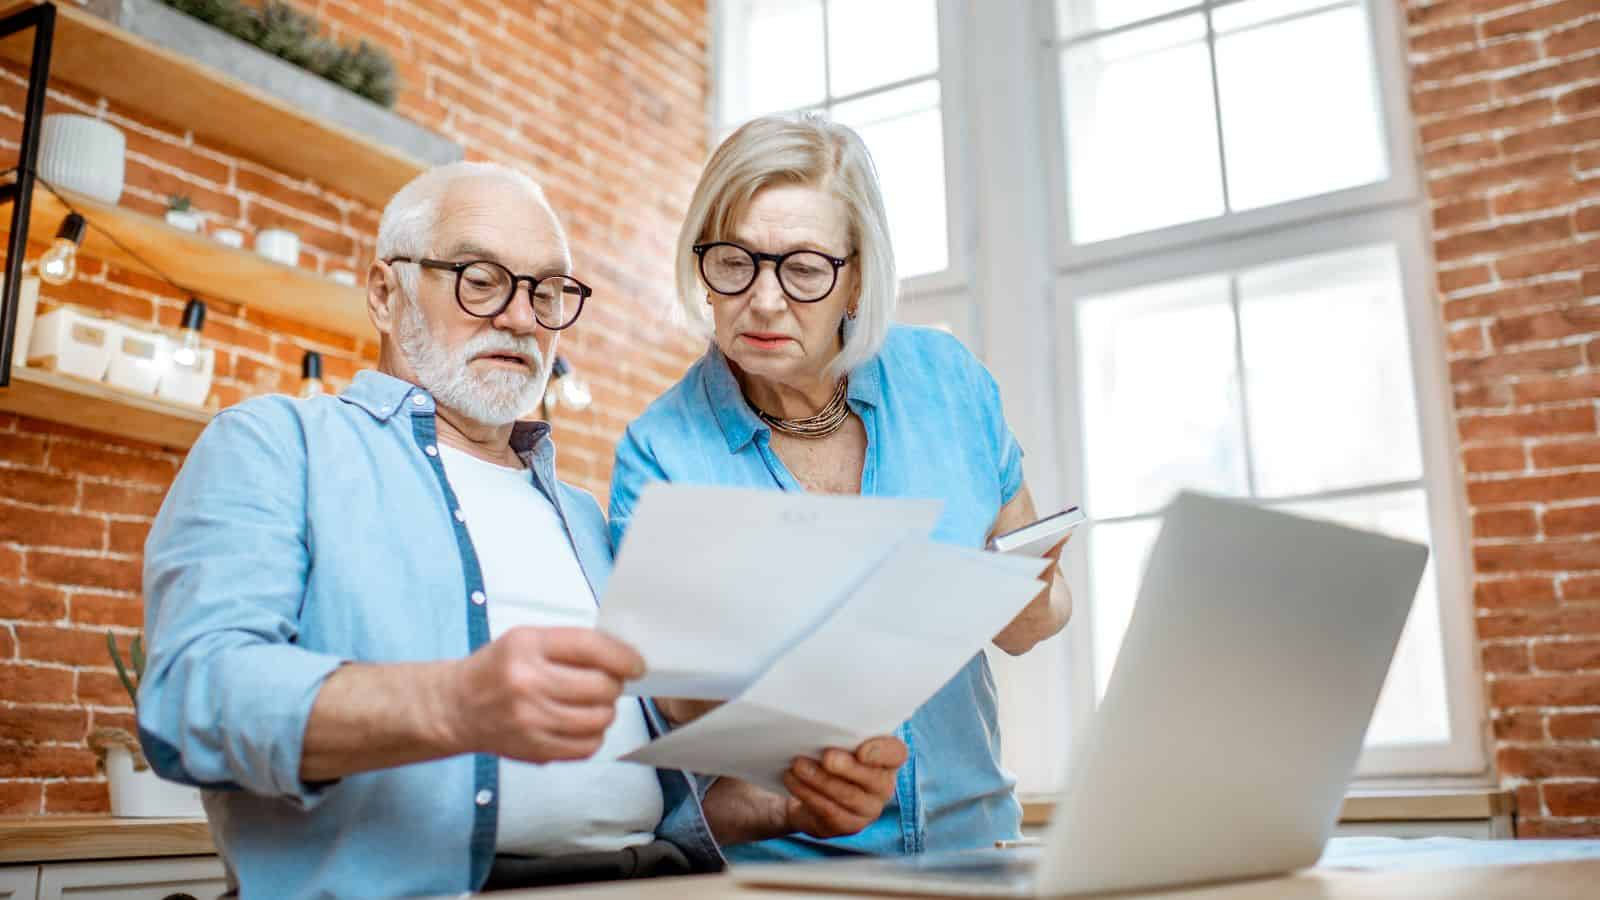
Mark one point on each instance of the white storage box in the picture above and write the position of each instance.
(189, 384)
(72, 343)
(138, 359)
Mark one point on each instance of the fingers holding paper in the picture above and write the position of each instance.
(843, 792)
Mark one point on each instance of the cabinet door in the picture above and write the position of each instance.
(178, 878)
(19, 882)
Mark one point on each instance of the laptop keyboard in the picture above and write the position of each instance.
(985, 866)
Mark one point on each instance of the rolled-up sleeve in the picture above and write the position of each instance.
(227, 689)
(991, 420)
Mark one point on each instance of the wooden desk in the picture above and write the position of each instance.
(1553, 881)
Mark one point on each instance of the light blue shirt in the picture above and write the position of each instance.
(301, 535)
(935, 428)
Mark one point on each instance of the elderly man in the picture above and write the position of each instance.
(370, 617)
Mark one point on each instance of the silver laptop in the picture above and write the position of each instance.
(1230, 727)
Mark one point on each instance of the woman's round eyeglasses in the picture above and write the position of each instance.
(805, 276)
(485, 288)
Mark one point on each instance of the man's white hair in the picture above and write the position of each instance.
(412, 216)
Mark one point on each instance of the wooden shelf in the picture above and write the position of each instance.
(40, 839)
(98, 406)
(202, 264)
(96, 55)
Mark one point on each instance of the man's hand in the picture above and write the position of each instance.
(539, 694)
(844, 792)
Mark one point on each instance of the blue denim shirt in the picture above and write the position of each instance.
(935, 428)
(299, 535)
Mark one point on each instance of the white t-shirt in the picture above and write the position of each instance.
(532, 577)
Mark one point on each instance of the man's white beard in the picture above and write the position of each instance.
(496, 397)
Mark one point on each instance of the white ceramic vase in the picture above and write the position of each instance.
(82, 154)
(145, 794)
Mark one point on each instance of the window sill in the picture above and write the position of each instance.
(1367, 805)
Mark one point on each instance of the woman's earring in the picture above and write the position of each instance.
(850, 313)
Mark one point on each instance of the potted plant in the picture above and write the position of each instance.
(179, 215)
(136, 790)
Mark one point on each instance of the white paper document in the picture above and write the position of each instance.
(712, 584)
(861, 651)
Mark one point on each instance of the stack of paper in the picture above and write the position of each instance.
(824, 620)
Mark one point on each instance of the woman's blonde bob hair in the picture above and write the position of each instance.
(810, 150)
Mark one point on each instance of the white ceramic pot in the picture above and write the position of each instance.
(82, 154)
(145, 794)
(187, 220)
(279, 245)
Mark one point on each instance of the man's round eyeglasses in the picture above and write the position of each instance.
(805, 276)
(485, 289)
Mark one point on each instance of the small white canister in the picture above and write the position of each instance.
(279, 245)
(82, 154)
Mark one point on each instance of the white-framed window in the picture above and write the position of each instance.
(878, 66)
(1244, 305)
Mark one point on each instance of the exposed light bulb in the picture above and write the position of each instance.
(566, 388)
(311, 374)
(188, 353)
(574, 393)
(60, 263)
(194, 318)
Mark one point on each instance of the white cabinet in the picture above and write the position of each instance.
(177, 878)
(19, 882)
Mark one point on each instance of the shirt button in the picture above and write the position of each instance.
(484, 798)
(419, 400)
(431, 450)
(479, 598)
(460, 516)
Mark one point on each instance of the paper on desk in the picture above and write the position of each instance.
(713, 583)
(900, 637)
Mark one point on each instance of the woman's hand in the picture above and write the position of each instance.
(1048, 612)
(843, 792)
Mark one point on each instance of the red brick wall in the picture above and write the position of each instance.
(1507, 97)
(603, 101)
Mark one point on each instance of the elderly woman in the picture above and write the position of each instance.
(807, 387)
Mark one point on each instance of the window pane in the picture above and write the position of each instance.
(1413, 708)
(1160, 396)
(763, 32)
(1117, 554)
(1329, 380)
(1082, 16)
(876, 42)
(1300, 111)
(1140, 131)
(904, 130)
